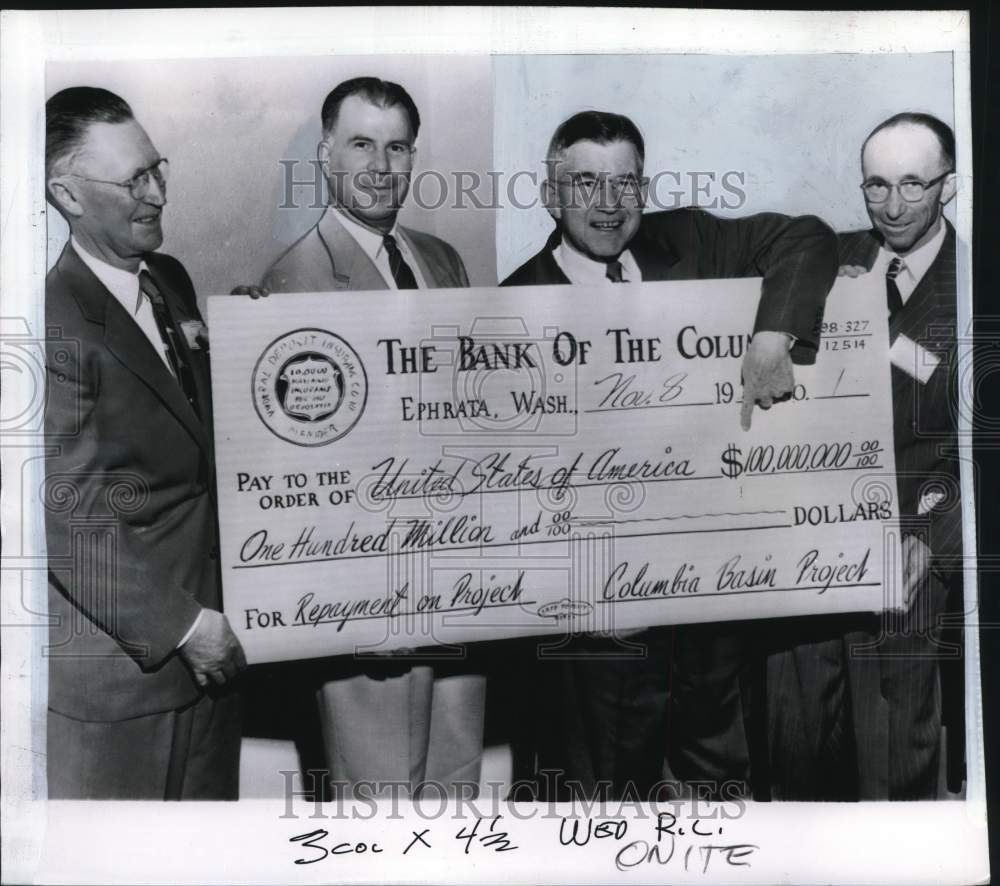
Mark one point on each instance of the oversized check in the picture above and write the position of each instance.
(402, 470)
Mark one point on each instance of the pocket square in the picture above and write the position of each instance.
(914, 359)
(195, 333)
(929, 501)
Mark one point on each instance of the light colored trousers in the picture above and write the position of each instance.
(406, 728)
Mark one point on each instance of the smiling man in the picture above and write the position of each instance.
(601, 713)
(370, 128)
(397, 721)
(140, 657)
(595, 192)
(858, 713)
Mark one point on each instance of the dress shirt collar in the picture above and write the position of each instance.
(915, 264)
(367, 238)
(582, 269)
(372, 245)
(122, 284)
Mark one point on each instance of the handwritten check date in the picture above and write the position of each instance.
(404, 470)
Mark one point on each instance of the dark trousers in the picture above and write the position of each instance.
(855, 711)
(188, 754)
(599, 720)
(606, 714)
(712, 670)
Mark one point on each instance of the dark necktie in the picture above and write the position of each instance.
(170, 336)
(614, 271)
(892, 297)
(401, 271)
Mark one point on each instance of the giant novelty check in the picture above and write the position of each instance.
(403, 470)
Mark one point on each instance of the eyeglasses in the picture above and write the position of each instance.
(138, 185)
(911, 190)
(627, 188)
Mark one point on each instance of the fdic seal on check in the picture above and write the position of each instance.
(309, 387)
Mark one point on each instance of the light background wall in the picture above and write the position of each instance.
(225, 123)
(793, 124)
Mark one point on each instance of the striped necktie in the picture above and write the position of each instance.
(402, 273)
(171, 338)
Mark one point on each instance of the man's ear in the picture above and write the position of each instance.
(63, 195)
(550, 199)
(323, 154)
(949, 187)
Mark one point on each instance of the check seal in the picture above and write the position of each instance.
(309, 387)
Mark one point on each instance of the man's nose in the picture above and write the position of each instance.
(895, 205)
(379, 162)
(156, 194)
(607, 196)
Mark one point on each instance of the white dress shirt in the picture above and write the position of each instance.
(371, 243)
(581, 269)
(915, 264)
(124, 286)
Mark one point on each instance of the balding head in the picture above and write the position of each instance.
(901, 155)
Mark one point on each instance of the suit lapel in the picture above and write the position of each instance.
(548, 268)
(196, 359)
(436, 276)
(126, 341)
(932, 302)
(349, 262)
(929, 303)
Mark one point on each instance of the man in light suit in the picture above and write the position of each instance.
(602, 718)
(396, 719)
(369, 130)
(858, 712)
(140, 657)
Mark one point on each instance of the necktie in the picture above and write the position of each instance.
(170, 336)
(614, 271)
(401, 271)
(893, 299)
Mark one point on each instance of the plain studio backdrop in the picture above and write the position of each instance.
(790, 125)
(736, 134)
(224, 125)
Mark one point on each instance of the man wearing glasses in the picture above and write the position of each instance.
(858, 713)
(140, 657)
(602, 714)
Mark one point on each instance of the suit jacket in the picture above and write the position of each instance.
(327, 257)
(130, 512)
(923, 414)
(797, 258)
(891, 684)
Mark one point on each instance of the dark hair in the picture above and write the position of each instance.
(941, 130)
(71, 111)
(383, 93)
(602, 127)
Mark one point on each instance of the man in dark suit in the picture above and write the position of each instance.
(858, 712)
(602, 718)
(395, 719)
(140, 657)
